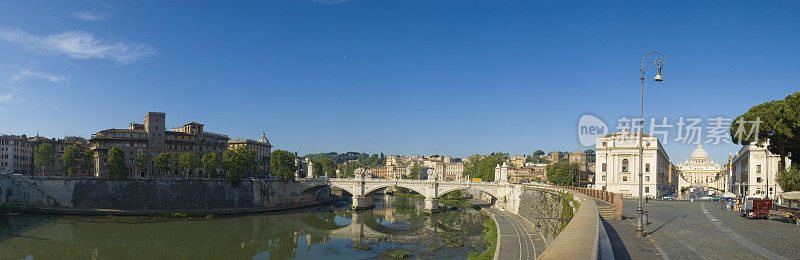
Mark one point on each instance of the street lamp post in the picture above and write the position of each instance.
(659, 61)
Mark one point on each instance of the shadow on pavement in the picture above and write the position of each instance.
(665, 223)
(620, 251)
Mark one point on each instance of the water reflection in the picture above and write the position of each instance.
(396, 222)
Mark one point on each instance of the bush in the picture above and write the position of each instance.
(399, 254)
(361, 246)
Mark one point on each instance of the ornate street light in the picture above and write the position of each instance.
(659, 61)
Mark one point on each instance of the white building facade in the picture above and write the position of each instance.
(617, 165)
(700, 171)
(754, 170)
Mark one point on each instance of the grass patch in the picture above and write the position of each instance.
(188, 214)
(452, 240)
(399, 254)
(490, 230)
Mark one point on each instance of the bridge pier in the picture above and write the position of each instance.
(362, 202)
(431, 204)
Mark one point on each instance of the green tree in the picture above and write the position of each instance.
(43, 155)
(538, 153)
(415, 173)
(75, 161)
(210, 163)
(777, 122)
(161, 162)
(238, 162)
(562, 173)
(188, 163)
(482, 166)
(116, 164)
(318, 168)
(789, 179)
(140, 161)
(282, 164)
(328, 167)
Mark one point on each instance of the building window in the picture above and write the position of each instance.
(604, 178)
(604, 144)
(646, 189)
(605, 167)
(758, 168)
(647, 167)
(624, 165)
(646, 178)
(758, 179)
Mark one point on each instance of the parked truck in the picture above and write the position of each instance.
(755, 208)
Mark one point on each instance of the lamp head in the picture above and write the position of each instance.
(658, 76)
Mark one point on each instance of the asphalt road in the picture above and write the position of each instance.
(518, 240)
(703, 230)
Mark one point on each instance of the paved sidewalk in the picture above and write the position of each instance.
(518, 239)
(625, 243)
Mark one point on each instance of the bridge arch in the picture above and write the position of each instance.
(493, 193)
(417, 189)
(316, 186)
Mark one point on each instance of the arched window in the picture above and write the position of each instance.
(624, 165)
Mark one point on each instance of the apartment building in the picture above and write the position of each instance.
(59, 145)
(16, 155)
(263, 151)
(152, 138)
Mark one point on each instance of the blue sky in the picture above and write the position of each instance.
(398, 77)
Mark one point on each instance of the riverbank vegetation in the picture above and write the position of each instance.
(361, 246)
(568, 206)
(398, 254)
(490, 240)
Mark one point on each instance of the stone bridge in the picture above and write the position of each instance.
(361, 188)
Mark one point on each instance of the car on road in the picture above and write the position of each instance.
(716, 198)
(667, 197)
(705, 198)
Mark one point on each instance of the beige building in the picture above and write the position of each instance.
(59, 145)
(152, 138)
(754, 169)
(617, 165)
(16, 155)
(263, 151)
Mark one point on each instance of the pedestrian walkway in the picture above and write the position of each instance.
(517, 238)
(626, 245)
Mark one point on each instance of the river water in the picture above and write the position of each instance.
(329, 232)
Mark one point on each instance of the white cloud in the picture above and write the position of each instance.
(30, 73)
(90, 16)
(78, 45)
(328, 2)
(6, 98)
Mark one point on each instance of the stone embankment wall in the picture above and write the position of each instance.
(151, 194)
(545, 209)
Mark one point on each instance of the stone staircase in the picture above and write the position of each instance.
(605, 211)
